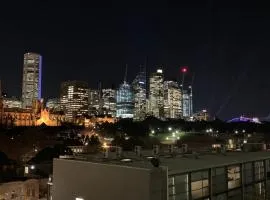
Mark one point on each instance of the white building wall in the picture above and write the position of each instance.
(88, 180)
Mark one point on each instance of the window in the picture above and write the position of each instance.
(219, 180)
(199, 184)
(248, 173)
(178, 187)
(259, 170)
(79, 198)
(234, 179)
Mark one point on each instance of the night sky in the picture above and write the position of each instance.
(225, 44)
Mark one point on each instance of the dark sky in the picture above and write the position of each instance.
(224, 43)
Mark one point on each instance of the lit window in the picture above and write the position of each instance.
(79, 198)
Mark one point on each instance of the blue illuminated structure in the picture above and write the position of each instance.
(244, 119)
(124, 101)
(40, 77)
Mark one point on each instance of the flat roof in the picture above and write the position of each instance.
(180, 163)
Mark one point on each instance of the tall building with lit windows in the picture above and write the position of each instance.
(187, 102)
(172, 100)
(124, 101)
(31, 85)
(74, 99)
(109, 102)
(94, 102)
(139, 91)
(156, 94)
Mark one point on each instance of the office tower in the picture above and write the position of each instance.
(156, 94)
(190, 100)
(109, 102)
(11, 102)
(31, 86)
(53, 104)
(94, 100)
(124, 101)
(74, 99)
(187, 103)
(139, 91)
(172, 100)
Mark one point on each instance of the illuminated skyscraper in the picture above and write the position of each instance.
(187, 103)
(124, 101)
(31, 85)
(139, 90)
(109, 102)
(74, 99)
(172, 100)
(156, 94)
(94, 100)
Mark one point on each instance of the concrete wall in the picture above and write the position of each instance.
(87, 180)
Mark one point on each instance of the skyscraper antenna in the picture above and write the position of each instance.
(125, 78)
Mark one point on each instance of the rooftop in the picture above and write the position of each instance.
(179, 163)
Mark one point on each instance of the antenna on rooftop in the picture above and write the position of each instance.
(125, 77)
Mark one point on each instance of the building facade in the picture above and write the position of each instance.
(109, 102)
(187, 103)
(156, 94)
(53, 104)
(172, 100)
(32, 74)
(12, 102)
(139, 91)
(235, 175)
(94, 101)
(74, 99)
(124, 101)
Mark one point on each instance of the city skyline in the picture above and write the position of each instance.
(225, 50)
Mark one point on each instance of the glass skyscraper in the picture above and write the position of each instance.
(31, 85)
(124, 101)
(109, 102)
(187, 103)
(156, 94)
(139, 90)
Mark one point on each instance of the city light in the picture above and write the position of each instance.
(105, 146)
(32, 167)
(159, 71)
(184, 70)
(170, 128)
(153, 132)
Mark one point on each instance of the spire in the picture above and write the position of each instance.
(125, 77)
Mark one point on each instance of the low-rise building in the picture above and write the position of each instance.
(233, 175)
(23, 190)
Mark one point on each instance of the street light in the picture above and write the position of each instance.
(153, 132)
(170, 128)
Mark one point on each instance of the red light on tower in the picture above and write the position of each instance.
(184, 69)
